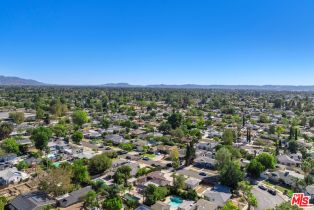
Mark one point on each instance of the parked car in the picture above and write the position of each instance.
(202, 174)
(273, 192)
(145, 158)
(262, 187)
(122, 152)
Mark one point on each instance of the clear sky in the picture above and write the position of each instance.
(158, 41)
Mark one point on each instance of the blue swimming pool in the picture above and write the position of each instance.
(175, 201)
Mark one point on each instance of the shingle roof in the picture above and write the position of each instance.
(31, 201)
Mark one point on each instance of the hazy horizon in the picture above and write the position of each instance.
(158, 42)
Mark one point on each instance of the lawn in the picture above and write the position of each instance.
(150, 156)
(280, 188)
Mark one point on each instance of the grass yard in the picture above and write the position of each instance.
(150, 156)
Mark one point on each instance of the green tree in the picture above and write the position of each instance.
(58, 182)
(307, 165)
(255, 168)
(60, 130)
(79, 118)
(5, 130)
(105, 123)
(41, 136)
(122, 174)
(17, 117)
(77, 137)
(178, 182)
(229, 206)
(112, 204)
(22, 165)
(3, 202)
(189, 154)
(246, 188)
(153, 193)
(40, 114)
(263, 118)
(228, 136)
(90, 200)
(80, 172)
(231, 175)
(287, 206)
(191, 195)
(174, 156)
(175, 120)
(164, 127)
(10, 146)
(267, 160)
(99, 163)
(223, 157)
(293, 146)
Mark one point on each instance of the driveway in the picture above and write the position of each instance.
(265, 200)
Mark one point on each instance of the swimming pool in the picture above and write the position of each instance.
(175, 201)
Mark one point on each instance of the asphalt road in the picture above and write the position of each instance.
(266, 200)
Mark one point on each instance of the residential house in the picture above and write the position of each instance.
(288, 161)
(205, 162)
(31, 201)
(92, 134)
(287, 177)
(208, 146)
(9, 158)
(186, 205)
(73, 197)
(11, 175)
(160, 206)
(116, 139)
(192, 183)
(202, 204)
(219, 195)
(142, 207)
(155, 177)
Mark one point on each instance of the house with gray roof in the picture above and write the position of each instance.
(288, 161)
(204, 162)
(203, 204)
(31, 201)
(73, 197)
(160, 206)
(116, 139)
(219, 195)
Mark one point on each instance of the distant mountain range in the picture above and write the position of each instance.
(223, 87)
(16, 81)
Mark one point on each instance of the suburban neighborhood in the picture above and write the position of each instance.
(154, 149)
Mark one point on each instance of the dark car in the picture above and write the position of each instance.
(273, 192)
(128, 157)
(145, 158)
(202, 174)
(262, 187)
(122, 152)
(108, 148)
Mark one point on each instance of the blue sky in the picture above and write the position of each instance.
(158, 41)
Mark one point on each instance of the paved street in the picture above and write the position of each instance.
(265, 199)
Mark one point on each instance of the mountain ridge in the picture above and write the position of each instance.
(17, 81)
